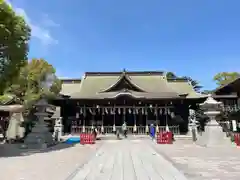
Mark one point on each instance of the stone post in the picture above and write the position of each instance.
(146, 129)
(58, 129)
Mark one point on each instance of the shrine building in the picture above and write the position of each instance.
(141, 98)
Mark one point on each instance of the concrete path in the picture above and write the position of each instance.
(127, 160)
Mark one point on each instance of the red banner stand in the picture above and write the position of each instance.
(87, 138)
(237, 139)
(164, 138)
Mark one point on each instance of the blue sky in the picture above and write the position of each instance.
(197, 38)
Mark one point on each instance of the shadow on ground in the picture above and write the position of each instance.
(13, 150)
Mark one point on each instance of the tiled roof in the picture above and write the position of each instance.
(149, 84)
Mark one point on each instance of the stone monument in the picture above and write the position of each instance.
(213, 135)
(40, 137)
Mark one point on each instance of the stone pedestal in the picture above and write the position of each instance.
(213, 135)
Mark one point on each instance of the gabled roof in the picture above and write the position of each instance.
(94, 85)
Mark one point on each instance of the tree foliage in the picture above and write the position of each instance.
(224, 78)
(28, 87)
(171, 75)
(194, 83)
(14, 38)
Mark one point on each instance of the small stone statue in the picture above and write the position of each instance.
(58, 127)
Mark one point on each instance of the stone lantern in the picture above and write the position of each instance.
(213, 135)
(41, 137)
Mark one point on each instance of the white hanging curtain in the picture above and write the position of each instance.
(168, 111)
(160, 111)
(106, 110)
(90, 110)
(112, 110)
(136, 110)
(81, 111)
(165, 111)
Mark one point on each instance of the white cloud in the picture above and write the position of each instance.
(40, 32)
(49, 22)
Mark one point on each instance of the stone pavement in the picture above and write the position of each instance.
(199, 163)
(127, 160)
(56, 164)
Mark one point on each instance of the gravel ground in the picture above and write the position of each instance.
(199, 163)
(57, 164)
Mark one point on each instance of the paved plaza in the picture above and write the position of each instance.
(52, 165)
(199, 163)
(128, 159)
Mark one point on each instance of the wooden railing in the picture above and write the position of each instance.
(141, 130)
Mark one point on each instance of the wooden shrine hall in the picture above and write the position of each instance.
(137, 98)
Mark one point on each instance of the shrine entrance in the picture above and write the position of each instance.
(110, 115)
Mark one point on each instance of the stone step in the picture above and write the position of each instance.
(182, 137)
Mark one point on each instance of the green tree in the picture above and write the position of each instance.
(28, 87)
(14, 38)
(223, 78)
(171, 75)
(194, 83)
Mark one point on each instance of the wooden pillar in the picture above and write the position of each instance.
(146, 112)
(114, 119)
(93, 116)
(157, 120)
(84, 117)
(124, 114)
(102, 127)
(135, 123)
(166, 114)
